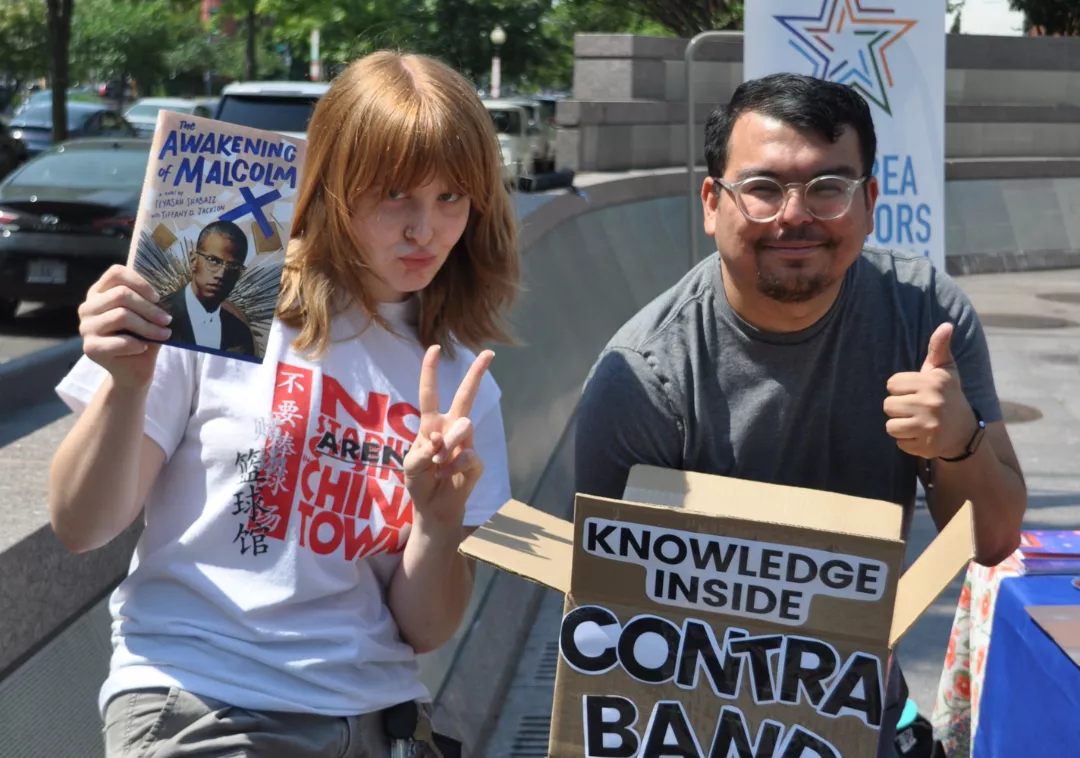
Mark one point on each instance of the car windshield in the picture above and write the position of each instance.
(41, 115)
(85, 168)
(147, 110)
(506, 122)
(278, 114)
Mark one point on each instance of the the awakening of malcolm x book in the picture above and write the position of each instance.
(212, 229)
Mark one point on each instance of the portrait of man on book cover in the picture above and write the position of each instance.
(202, 314)
(219, 282)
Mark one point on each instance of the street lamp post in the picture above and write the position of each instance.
(498, 39)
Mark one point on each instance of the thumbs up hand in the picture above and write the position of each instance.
(928, 414)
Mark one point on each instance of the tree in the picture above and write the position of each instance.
(23, 25)
(1050, 17)
(685, 18)
(248, 12)
(118, 40)
(59, 24)
(956, 7)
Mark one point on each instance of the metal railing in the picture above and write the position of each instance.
(693, 188)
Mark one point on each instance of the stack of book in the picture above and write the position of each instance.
(1050, 552)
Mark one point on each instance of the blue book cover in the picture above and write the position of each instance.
(1050, 544)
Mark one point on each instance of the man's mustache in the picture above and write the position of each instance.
(798, 234)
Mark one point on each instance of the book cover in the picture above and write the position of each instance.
(1047, 566)
(1050, 544)
(213, 223)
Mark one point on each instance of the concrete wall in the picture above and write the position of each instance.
(1005, 97)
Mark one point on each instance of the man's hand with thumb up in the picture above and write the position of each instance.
(928, 413)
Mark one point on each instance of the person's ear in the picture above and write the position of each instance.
(870, 196)
(710, 202)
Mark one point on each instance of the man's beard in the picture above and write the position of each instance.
(790, 283)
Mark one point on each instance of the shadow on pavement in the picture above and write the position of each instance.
(35, 320)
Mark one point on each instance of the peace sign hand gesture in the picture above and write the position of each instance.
(441, 467)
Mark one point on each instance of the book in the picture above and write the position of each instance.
(213, 224)
(1050, 544)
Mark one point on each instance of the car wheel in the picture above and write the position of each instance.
(7, 309)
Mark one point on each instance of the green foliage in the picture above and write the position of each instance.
(114, 39)
(23, 28)
(1051, 16)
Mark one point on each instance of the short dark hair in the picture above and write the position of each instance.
(229, 230)
(806, 103)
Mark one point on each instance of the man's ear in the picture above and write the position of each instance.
(870, 196)
(710, 200)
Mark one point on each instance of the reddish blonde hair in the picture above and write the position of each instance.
(397, 120)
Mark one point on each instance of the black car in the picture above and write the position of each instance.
(66, 215)
(12, 151)
(34, 125)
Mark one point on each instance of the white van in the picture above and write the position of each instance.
(512, 125)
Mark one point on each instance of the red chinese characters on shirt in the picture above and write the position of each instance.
(345, 481)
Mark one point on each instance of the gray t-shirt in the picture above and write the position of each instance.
(688, 384)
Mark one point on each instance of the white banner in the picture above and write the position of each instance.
(893, 53)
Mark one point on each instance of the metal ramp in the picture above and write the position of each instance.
(525, 721)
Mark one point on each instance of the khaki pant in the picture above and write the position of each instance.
(174, 723)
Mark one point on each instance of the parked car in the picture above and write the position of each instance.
(66, 215)
(539, 129)
(143, 113)
(511, 122)
(12, 151)
(284, 107)
(34, 125)
(44, 97)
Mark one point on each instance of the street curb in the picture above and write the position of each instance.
(32, 378)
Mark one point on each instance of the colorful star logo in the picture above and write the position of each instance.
(847, 42)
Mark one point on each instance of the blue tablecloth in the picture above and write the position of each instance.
(1030, 706)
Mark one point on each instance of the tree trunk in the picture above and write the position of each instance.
(249, 57)
(59, 13)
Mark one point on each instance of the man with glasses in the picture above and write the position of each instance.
(200, 313)
(798, 354)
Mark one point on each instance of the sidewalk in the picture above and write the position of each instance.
(1032, 322)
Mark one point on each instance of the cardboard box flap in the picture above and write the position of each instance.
(1062, 624)
(528, 542)
(933, 571)
(778, 504)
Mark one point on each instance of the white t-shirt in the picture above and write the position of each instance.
(268, 591)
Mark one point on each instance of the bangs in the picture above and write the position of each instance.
(428, 137)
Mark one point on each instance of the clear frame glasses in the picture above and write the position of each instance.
(217, 264)
(763, 199)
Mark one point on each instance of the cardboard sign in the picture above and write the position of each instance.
(709, 617)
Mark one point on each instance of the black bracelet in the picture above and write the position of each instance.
(973, 443)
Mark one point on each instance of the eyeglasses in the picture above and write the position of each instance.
(217, 264)
(762, 199)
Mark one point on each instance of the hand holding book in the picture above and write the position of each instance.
(120, 308)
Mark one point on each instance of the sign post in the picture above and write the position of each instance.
(893, 53)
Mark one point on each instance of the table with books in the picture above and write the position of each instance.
(991, 697)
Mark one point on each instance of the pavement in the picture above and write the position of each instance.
(1032, 323)
(34, 328)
